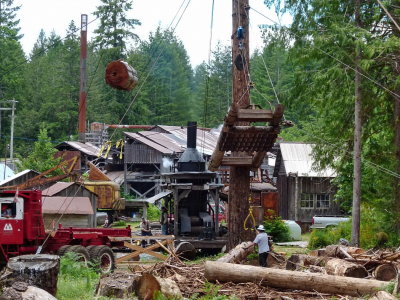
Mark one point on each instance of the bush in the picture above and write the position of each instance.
(320, 238)
(277, 228)
(153, 213)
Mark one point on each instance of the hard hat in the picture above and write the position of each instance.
(261, 228)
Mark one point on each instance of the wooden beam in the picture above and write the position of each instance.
(255, 115)
(258, 159)
(237, 161)
(139, 250)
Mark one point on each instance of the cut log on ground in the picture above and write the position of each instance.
(299, 261)
(149, 285)
(382, 295)
(340, 267)
(342, 252)
(117, 285)
(40, 270)
(238, 254)
(385, 272)
(225, 272)
(22, 291)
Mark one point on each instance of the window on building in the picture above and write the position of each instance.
(323, 200)
(307, 201)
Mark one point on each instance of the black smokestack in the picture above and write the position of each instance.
(191, 135)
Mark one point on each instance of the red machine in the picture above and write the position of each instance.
(22, 232)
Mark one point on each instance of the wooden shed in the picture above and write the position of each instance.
(304, 191)
(76, 204)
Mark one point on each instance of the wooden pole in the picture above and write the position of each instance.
(239, 177)
(83, 84)
(355, 228)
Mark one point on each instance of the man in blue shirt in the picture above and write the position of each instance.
(263, 247)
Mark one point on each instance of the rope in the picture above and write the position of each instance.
(250, 216)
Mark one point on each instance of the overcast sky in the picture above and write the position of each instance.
(193, 29)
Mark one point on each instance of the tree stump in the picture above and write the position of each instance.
(385, 272)
(340, 267)
(40, 270)
(117, 285)
(148, 285)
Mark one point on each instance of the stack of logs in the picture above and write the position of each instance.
(348, 261)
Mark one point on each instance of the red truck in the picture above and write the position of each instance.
(22, 232)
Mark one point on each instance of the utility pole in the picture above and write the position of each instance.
(239, 176)
(355, 228)
(83, 82)
(13, 102)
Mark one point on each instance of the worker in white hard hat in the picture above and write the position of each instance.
(263, 246)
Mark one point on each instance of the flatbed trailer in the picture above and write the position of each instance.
(22, 232)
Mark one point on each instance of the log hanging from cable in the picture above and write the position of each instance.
(226, 272)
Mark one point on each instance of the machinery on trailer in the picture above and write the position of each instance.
(22, 232)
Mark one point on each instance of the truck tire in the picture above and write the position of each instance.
(63, 249)
(91, 250)
(82, 253)
(104, 256)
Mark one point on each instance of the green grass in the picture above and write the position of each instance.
(75, 280)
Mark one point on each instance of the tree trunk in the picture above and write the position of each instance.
(299, 261)
(340, 267)
(238, 253)
(40, 270)
(148, 285)
(385, 272)
(225, 272)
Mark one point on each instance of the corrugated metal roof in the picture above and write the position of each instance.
(116, 176)
(86, 148)
(22, 173)
(297, 158)
(56, 188)
(149, 143)
(67, 205)
(157, 197)
(175, 139)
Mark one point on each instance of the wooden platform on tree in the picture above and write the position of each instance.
(249, 143)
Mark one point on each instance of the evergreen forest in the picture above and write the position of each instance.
(309, 66)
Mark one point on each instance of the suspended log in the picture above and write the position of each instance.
(225, 272)
(148, 285)
(342, 252)
(340, 267)
(385, 272)
(300, 261)
(40, 270)
(121, 76)
(238, 253)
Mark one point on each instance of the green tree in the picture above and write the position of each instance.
(165, 78)
(115, 28)
(41, 158)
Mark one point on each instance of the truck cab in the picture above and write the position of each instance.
(11, 220)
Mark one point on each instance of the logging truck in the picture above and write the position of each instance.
(22, 232)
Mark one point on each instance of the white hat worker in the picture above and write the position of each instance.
(261, 228)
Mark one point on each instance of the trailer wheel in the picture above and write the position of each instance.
(83, 254)
(63, 249)
(104, 256)
(91, 250)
